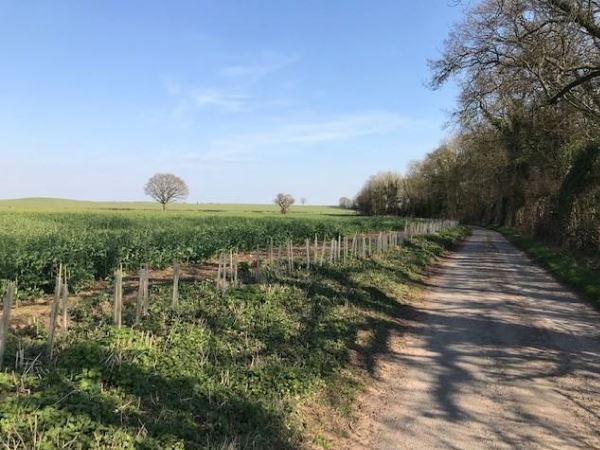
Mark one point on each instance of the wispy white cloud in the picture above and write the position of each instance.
(256, 70)
(339, 128)
(244, 148)
(189, 98)
(226, 100)
(235, 92)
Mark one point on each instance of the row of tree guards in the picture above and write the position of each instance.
(233, 269)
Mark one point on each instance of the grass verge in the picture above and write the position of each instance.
(247, 369)
(579, 272)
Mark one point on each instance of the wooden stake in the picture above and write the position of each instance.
(308, 254)
(176, 274)
(5, 324)
(120, 305)
(364, 246)
(65, 306)
(332, 251)
(139, 307)
(345, 248)
(231, 267)
(235, 271)
(118, 297)
(20, 358)
(54, 311)
(146, 291)
(224, 272)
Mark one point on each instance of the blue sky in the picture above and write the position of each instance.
(242, 99)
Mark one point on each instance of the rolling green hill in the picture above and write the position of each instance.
(57, 204)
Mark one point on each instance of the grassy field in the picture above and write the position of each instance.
(211, 209)
(245, 369)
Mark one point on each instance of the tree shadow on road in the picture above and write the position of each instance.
(497, 324)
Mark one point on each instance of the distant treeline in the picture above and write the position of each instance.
(526, 152)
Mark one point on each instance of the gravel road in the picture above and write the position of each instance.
(502, 357)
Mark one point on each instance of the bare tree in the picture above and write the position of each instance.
(345, 203)
(544, 51)
(381, 194)
(303, 201)
(166, 187)
(284, 201)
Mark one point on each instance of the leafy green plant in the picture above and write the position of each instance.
(92, 244)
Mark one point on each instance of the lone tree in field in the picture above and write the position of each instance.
(166, 187)
(303, 201)
(284, 201)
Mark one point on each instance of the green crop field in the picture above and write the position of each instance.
(211, 209)
(218, 369)
(92, 239)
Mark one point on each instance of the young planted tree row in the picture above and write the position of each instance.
(316, 253)
(267, 262)
(92, 244)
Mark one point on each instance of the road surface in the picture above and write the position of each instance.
(502, 357)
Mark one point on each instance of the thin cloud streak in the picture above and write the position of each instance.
(256, 71)
(236, 93)
(214, 158)
(190, 99)
(243, 148)
(337, 129)
(228, 101)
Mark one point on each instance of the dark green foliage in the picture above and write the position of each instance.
(583, 177)
(583, 172)
(217, 370)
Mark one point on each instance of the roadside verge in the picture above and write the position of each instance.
(576, 271)
(338, 414)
